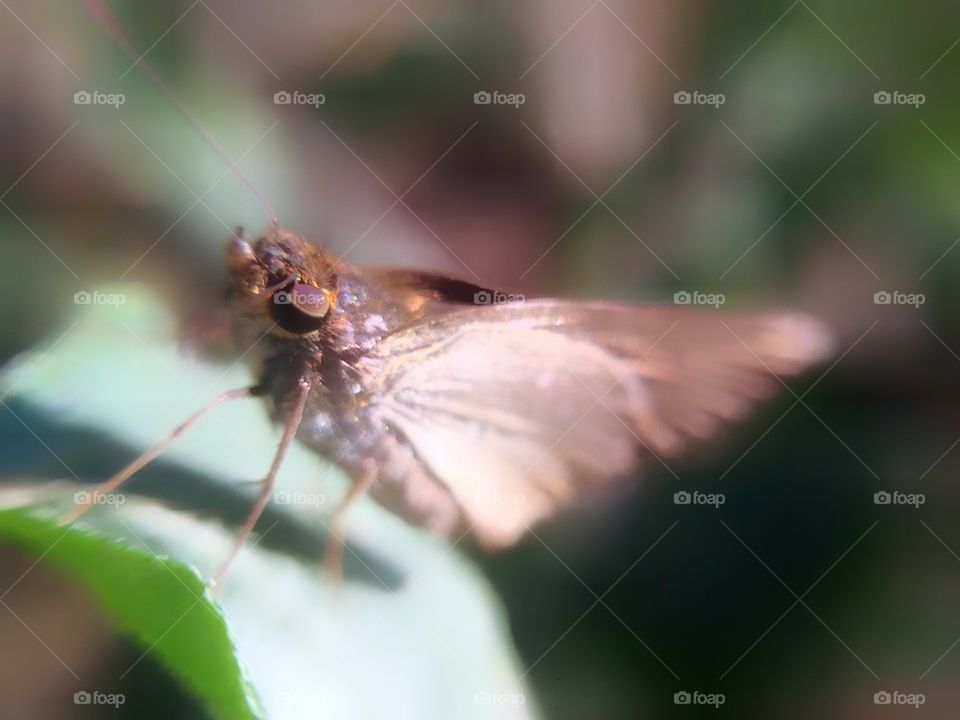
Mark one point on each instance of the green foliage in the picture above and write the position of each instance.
(160, 602)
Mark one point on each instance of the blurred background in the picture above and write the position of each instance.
(802, 155)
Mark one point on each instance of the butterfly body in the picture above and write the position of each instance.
(341, 419)
(493, 417)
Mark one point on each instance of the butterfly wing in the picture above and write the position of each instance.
(516, 410)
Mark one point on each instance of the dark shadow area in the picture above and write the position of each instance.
(94, 456)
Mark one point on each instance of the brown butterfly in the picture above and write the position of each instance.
(459, 414)
(462, 413)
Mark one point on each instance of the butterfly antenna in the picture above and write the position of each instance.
(105, 18)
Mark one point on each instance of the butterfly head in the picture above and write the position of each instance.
(283, 278)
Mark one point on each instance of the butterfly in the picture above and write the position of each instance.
(463, 409)
(464, 414)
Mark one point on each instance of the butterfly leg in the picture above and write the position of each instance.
(108, 486)
(289, 433)
(336, 540)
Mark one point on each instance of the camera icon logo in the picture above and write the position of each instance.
(482, 297)
(81, 298)
(482, 98)
(282, 498)
(682, 97)
(882, 498)
(82, 497)
(82, 97)
(283, 298)
(82, 697)
(681, 298)
(682, 698)
(282, 97)
(882, 698)
(682, 497)
(882, 97)
(882, 297)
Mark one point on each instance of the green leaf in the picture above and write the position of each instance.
(160, 602)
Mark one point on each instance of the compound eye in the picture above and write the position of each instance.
(300, 308)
